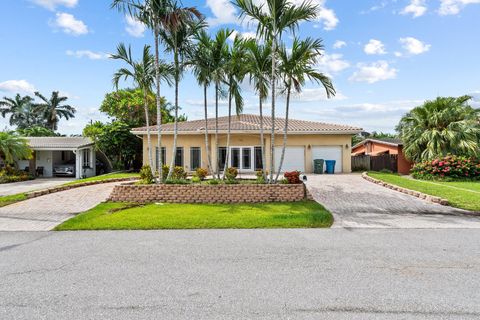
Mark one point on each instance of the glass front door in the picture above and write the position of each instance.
(241, 158)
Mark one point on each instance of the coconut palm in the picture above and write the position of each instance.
(235, 71)
(13, 147)
(273, 19)
(53, 109)
(439, 127)
(178, 40)
(22, 112)
(202, 67)
(295, 68)
(259, 65)
(142, 73)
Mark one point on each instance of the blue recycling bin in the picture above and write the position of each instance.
(330, 164)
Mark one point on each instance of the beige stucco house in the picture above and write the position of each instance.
(307, 140)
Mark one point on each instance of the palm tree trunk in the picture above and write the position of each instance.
(262, 142)
(175, 124)
(228, 132)
(216, 129)
(273, 80)
(285, 132)
(205, 107)
(159, 109)
(149, 138)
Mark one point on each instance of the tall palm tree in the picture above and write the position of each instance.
(296, 67)
(235, 71)
(142, 74)
(201, 61)
(219, 56)
(259, 65)
(22, 112)
(274, 18)
(439, 127)
(178, 41)
(53, 109)
(13, 147)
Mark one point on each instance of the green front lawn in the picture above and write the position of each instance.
(115, 175)
(122, 216)
(6, 200)
(464, 195)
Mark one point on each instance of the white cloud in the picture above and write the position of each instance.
(326, 16)
(339, 44)
(53, 4)
(332, 63)
(414, 46)
(315, 94)
(134, 27)
(69, 24)
(416, 8)
(453, 7)
(374, 47)
(88, 54)
(376, 7)
(224, 12)
(374, 72)
(242, 35)
(17, 86)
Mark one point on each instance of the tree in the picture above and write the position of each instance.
(36, 131)
(178, 41)
(272, 20)
(22, 112)
(259, 62)
(116, 141)
(13, 147)
(142, 74)
(439, 127)
(53, 109)
(296, 67)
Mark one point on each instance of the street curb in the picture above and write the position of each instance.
(420, 195)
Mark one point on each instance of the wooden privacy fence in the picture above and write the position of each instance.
(375, 163)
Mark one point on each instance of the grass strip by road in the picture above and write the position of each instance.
(124, 216)
(11, 199)
(464, 195)
(116, 175)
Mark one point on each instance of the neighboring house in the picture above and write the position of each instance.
(60, 156)
(307, 140)
(375, 147)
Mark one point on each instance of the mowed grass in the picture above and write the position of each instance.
(6, 200)
(121, 216)
(464, 195)
(107, 176)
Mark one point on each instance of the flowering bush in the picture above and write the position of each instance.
(448, 168)
(293, 177)
(201, 173)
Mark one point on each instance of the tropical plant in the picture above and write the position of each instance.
(440, 127)
(449, 167)
(273, 19)
(142, 74)
(296, 67)
(53, 109)
(13, 147)
(259, 65)
(178, 40)
(146, 175)
(22, 112)
(36, 131)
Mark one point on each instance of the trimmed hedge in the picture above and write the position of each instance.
(449, 167)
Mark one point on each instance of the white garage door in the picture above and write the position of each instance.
(294, 159)
(329, 153)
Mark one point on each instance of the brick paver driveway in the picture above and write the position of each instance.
(357, 203)
(31, 185)
(44, 213)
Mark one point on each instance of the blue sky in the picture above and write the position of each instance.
(385, 57)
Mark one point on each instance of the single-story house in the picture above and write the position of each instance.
(376, 146)
(307, 140)
(60, 156)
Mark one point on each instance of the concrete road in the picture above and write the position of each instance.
(7, 189)
(241, 274)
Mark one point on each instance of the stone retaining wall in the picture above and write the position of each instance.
(414, 193)
(199, 193)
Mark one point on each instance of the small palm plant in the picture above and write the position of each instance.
(13, 147)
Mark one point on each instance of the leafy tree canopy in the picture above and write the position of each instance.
(37, 131)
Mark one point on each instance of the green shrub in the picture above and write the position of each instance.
(449, 167)
(196, 179)
(165, 170)
(9, 174)
(213, 181)
(201, 173)
(177, 181)
(386, 171)
(231, 174)
(146, 175)
(284, 181)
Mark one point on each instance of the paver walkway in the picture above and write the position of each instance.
(46, 212)
(357, 203)
(7, 189)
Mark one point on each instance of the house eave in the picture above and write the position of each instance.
(323, 132)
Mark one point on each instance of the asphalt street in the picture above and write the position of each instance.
(241, 274)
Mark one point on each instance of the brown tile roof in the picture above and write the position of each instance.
(250, 122)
